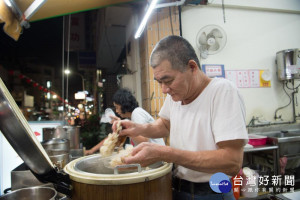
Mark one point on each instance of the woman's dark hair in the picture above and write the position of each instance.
(125, 99)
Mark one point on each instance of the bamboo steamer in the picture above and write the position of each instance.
(92, 180)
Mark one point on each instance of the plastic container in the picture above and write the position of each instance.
(257, 140)
(249, 186)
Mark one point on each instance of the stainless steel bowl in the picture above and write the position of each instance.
(56, 143)
(32, 193)
(64, 132)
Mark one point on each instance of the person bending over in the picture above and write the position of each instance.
(127, 107)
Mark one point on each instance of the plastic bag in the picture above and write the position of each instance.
(105, 118)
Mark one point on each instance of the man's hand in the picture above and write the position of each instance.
(129, 128)
(157, 129)
(145, 154)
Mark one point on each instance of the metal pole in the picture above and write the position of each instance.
(67, 93)
(83, 89)
(82, 79)
(63, 68)
(83, 83)
(68, 61)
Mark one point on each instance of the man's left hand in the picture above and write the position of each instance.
(145, 154)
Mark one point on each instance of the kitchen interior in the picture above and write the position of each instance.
(255, 44)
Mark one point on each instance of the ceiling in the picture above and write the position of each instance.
(53, 8)
(44, 37)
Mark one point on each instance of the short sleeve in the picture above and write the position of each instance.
(165, 110)
(228, 118)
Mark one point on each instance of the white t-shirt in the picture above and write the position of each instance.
(140, 116)
(217, 114)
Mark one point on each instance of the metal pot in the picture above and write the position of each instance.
(31, 193)
(90, 174)
(64, 132)
(56, 143)
(59, 157)
(288, 62)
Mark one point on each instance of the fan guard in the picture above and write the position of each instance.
(211, 39)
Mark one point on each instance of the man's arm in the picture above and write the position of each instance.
(227, 159)
(157, 129)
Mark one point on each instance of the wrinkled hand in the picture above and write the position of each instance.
(145, 154)
(129, 128)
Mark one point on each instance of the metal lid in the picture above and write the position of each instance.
(17, 131)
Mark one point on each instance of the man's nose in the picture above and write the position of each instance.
(165, 89)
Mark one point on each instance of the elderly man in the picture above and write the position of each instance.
(204, 117)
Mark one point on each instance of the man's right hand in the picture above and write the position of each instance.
(129, 128)
(145, 154)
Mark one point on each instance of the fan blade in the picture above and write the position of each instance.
(217, 33)
(210, 35)
(221, 42)
(214, 47)
(203, 38)
(203, 48)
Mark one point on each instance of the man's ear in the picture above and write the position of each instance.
(192, 65)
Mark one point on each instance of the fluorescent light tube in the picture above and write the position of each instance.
(8, 3)
(145, 19)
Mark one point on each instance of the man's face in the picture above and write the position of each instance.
(173, 82)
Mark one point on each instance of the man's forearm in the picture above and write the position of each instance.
(221, 160)
(156, 129)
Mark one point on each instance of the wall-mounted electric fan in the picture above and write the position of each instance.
(211, 39)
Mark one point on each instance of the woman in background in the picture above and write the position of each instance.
(127, 107)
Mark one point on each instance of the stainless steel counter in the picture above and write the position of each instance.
(273, 148)
(261, 148)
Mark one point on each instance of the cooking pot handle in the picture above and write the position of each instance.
(62, 198)
(7, 190)
(127, 166)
